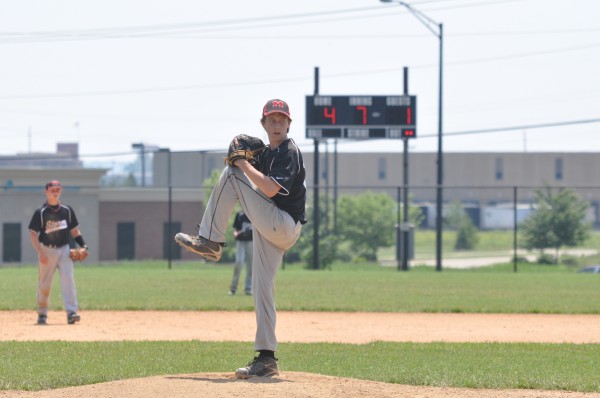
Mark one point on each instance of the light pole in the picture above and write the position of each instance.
(430, 24)
(142, 149)
(170, 221)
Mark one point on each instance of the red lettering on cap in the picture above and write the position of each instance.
(277, 104)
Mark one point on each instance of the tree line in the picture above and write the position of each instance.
(366, 222)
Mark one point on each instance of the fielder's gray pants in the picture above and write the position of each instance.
(243, 255)
(57, 258)
(274, 232)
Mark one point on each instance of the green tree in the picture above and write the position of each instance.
(368, 221)
(558, 220)
(459, 220)
(210, 183)
(415, 214)
(130, 180)
(328, 241)
(466, 236)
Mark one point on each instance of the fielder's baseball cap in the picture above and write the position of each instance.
(276, 105)
(52, 184)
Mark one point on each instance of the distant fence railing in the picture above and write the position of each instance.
(138, 222)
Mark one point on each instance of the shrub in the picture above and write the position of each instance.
(521, 259)
(327, 252)
(571, 261)
(548, 259)
(466, 237)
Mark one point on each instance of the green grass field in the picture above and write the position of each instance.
(490, 243)
(44, 365)
(345, 287)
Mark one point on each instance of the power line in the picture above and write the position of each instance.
(290, 79)
(60, 156)
(524, 55)
(464, 62)
(431, 135)
(155, 89)
(503, 129)
(208, 27)
(542, 32)
(64, 156)
(513, 128)
(355, 37)
(202, 27)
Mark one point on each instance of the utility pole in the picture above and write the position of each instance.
(316, 189)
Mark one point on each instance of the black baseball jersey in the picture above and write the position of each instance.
(54, 224)
(285, 166)
(242, 224)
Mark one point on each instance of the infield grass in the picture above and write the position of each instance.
(45, 365)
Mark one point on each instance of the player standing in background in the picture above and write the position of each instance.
(272, 193)
(242, 232)
(49, 232)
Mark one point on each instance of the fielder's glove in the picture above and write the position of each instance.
(244, 147)
(79, 254)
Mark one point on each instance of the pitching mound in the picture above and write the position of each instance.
(288, 384)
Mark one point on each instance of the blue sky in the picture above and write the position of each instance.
(190, 75)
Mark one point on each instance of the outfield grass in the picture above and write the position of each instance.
(492, 365)
(345, 287)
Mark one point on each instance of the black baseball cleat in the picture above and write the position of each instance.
(42, 320)
(258, 367)
(73, 317)
(203, 247)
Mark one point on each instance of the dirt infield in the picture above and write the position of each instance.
(354, 328)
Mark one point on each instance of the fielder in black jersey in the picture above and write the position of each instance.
(272, 193)
(49, 232)
(242, 233)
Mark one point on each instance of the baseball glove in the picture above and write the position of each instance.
(244, 147)
(79, 254)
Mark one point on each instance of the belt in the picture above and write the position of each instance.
(52, 246)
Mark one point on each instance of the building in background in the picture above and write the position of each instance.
(478, 180)
(66, 155)
(132, 222)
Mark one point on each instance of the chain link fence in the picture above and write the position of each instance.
(482, 225)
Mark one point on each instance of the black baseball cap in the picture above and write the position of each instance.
(276, 105)
(52, 184)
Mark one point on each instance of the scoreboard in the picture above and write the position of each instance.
(361, 116)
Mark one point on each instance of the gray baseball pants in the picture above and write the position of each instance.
(275, 231)
(243, 255)
(57, 258)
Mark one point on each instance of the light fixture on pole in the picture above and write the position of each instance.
(438, 30)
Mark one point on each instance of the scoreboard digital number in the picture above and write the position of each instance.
(361, 116)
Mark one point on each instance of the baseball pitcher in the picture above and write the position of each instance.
(268, 182)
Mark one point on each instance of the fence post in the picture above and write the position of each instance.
(515, 229)
(399, 232)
